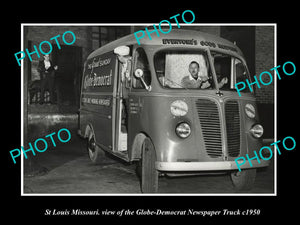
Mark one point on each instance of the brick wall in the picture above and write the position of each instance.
(215, 30)
(264, 48)
(44, 33)
(37, 34)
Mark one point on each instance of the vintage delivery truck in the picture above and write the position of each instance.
(135, 106)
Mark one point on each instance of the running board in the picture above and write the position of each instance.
(122, 155)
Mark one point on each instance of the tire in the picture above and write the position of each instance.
(95, 154)
(146, 170)
(243, 180)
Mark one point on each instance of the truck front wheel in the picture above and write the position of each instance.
(146, 168)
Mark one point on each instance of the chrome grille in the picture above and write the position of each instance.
(232, 115)
(208, 114)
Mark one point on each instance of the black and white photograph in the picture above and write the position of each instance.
(117, 114)
(148, 118)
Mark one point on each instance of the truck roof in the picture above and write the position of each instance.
(175, 34)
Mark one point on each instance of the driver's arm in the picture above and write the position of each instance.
(223, 82)
(205, 82)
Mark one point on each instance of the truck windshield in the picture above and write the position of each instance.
(183, 69)
(229, 70)
(191, 70)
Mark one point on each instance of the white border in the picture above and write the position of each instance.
(147, 24)
(22, 113)
(275, 109)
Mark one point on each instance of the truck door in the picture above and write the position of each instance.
(122, 88)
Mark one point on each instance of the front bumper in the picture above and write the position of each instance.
(207, 166)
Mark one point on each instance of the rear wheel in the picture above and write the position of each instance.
(146, 168)
(95, 154)
(243, 180)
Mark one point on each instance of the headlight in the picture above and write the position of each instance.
(257, 131)
(183, 130)
(179, 108)
(250, 110)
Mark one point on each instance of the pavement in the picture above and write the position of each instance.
(66, 169)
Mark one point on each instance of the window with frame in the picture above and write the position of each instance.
(172, 68)
(230, 71)
(141, 62)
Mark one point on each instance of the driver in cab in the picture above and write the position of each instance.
(195, 81)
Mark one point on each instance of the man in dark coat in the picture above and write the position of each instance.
(47, 71)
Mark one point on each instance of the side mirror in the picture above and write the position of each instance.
(138, 73)
(122, 50)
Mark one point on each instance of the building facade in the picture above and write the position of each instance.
(256, 42)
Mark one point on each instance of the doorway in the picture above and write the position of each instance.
(67, 80)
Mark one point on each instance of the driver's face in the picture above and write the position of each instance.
(194, 70)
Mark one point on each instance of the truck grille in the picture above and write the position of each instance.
(208, 114)
(232, 116)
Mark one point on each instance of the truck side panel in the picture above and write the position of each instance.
(96, 103)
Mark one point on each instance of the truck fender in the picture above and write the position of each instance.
(137, 146)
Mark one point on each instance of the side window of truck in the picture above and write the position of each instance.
(141, 62)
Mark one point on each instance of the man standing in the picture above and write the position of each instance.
(47, 70)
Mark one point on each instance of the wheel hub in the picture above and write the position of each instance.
(92, 144)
